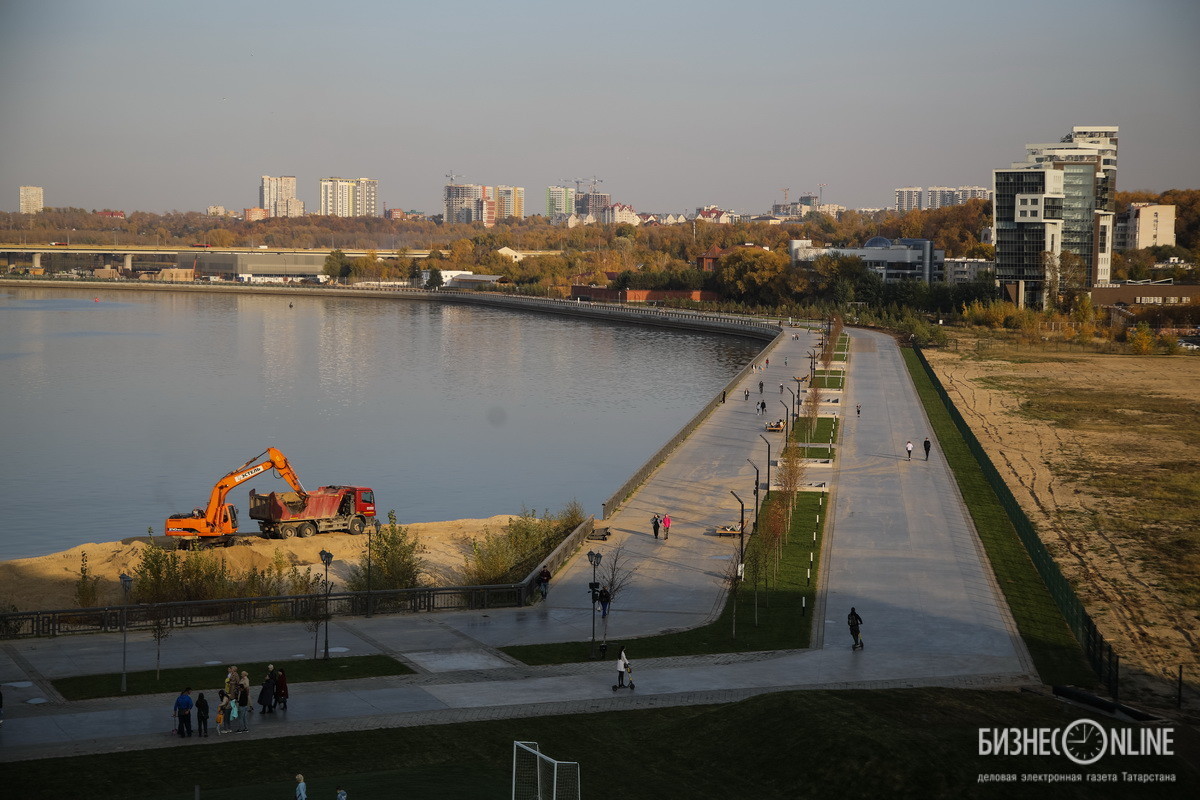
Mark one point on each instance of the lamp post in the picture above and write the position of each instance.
(126, 585)
(594, 559)
(795, 403)
(742, 535)
(787, 418)
(812, 367)
(370, 530)
(768, 441)
(756, 484)
(326, 559)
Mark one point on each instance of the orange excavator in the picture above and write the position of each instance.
(219, 518)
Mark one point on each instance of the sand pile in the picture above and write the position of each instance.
(48, 582)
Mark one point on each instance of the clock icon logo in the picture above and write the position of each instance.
(1084, 741)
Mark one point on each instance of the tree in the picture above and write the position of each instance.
(1141, 340)
(337, 266)
(86, 587)
(396, 561)
(616, 572)
(435, 279)
(755, 275)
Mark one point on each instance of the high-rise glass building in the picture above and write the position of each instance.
(32, 200)
(349, 197)
(1059, 200)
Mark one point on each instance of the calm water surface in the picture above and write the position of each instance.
(120, 408)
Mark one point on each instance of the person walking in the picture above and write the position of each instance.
(908, 448)
(781, 388)
(281, 689)
(183, 712)
(266, 695)
(855, 622)
(605, 599)
(666, 526)
(747, 394)
(655, 522)
(201, 716)
(623, 667)
(928, 446)
(544, 581)
(301, 788)
(760, 387)
(858, 410)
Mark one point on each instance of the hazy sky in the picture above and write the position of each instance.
(160, 104)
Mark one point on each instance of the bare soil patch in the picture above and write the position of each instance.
(1103, 453)
(48, 582)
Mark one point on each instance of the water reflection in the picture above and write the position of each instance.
(123, 411)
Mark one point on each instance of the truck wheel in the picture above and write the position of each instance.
(287, 531)
(305, 530)
(357, 525)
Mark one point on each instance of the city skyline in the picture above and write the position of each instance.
(672, 108)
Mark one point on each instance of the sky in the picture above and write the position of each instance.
(160, 105)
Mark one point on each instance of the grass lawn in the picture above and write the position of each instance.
(904, 743)
(1055, 651)
(203, 679)
(774, 620)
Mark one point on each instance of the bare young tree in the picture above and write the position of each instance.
(616, 572)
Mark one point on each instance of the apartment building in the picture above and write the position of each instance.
(32, 200)
(510, 202)
(349, 197)
(278, 196)
(1145, 225)
(909, 198)
(560, 200)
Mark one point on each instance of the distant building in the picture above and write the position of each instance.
(400, 214)
(619, 213)
(559, 200)
(894, 261)
(967, 270)
(278, 196)
(908, 198)
(1145, 225)
(32, 200)
(218, 211)
(964, 193)
(1060, 199)
(592, 203)
(510, 202)
(717, 215)
(349, 197)
(255, 214)
(938, 196)
(111, 214)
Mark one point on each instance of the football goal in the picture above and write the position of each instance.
(538, 777)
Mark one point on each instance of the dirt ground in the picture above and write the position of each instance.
(1103, 453)
(48, 582)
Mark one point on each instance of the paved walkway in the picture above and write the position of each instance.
(901, 549)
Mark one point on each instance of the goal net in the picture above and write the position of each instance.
(538, 777)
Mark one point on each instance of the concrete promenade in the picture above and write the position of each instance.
(900, 547)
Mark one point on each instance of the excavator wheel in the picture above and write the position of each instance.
(287, 531)
(305, 530)
(356, 525)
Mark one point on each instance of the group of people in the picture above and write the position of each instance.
(908, 448)
(661, 523)
(233, 703)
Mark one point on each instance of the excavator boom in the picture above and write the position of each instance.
(220, 519)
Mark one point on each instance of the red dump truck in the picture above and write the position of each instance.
(282, 515)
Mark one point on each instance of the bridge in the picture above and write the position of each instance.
(127, 252)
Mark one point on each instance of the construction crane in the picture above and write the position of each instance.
(454, 176)
(577, 181)
(594, 180)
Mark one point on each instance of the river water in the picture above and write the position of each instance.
(122, 407)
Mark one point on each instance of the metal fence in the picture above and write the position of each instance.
(1099, 653)
(291, 608)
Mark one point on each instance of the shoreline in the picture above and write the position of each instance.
(47, 582)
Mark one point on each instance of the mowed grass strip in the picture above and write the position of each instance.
(778, 618)
(1055, 651)
(899, 744)
(211, 678)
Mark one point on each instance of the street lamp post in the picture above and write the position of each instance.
(787, 418)
(126, 585)
(756, 484)
(594, 559)
(795, 403)
(768, 441)
(370, 529)
(812, 367)
(326, 559)
(742, 534)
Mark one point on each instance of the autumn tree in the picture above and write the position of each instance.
(337, 266)
(755, 275)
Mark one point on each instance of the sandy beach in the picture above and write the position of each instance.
(48, 582)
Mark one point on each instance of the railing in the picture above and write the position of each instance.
(612, 503)
(290, 608)
(1100, 655)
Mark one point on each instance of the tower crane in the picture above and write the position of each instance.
(454, 176)
(577, 181)
(594, 180)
